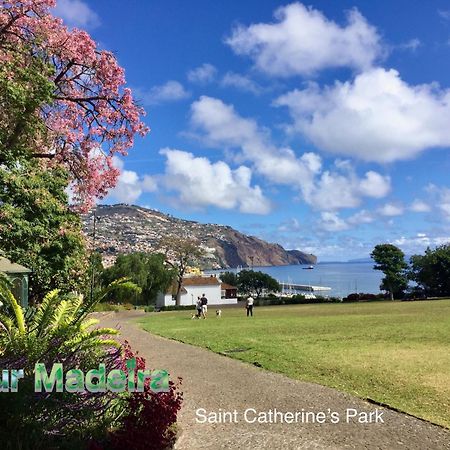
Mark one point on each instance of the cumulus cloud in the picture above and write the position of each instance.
(419, 206)
(391, 210)
(77, 13)
(441, 199)
(221, 126)
(241, 82)
(290, 226)
(202, 74)
(171, 91)
(200, 183)
(420, 242)
(302, 41)
(130, 186)
(375, 117)
(330, 221)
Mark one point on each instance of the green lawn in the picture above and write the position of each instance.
(396, 353)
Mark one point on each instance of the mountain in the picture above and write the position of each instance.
(126, 228)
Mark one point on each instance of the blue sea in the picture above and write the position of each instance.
(342, 278)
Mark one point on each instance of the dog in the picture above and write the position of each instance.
(218, 313)
(194, 316)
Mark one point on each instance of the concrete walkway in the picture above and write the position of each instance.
(218, 384)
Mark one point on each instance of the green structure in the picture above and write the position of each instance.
(18, 275)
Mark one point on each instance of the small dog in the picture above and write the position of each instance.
(218, 313)
(194, 316)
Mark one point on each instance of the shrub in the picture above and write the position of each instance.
(150, 418)
(59, 330)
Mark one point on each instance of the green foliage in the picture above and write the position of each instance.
(38, 230)
(148, 272)
(24, 87)
(229, 278)
(431, 271)
(57, 319)
(391, 261)
(251, 282)
(392, 352)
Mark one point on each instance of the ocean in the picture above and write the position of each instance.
(342, 278)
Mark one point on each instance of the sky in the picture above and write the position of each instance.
(322, 126)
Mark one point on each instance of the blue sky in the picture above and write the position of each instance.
(322, 126)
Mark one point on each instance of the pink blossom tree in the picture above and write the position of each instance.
(90, 116)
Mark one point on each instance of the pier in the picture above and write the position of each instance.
(289, 288)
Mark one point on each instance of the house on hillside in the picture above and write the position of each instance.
(18, 276)
(215, 291)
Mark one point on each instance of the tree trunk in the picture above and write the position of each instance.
(391, 293)
(178, 297)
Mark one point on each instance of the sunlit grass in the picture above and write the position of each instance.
(396, 353)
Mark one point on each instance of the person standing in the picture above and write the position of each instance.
(199, 307)
(204, 301)
(249, 306)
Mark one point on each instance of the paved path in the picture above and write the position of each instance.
(217, 383)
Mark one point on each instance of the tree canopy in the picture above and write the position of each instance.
(38, 230)
(391, 261)
(431, 271)
(148, 272)
(252, 282)
(58, 77)
(180, 254)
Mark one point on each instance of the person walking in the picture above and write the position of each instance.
(204, 301)
(199, 307)
(249, 306)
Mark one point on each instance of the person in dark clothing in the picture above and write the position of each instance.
(204, 301)
(249, 306)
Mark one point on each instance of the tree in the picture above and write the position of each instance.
(251, 282)
(148, 272)
(88, 114)
(431, 271)
(229, 278)
(180, 254)
(38, 230)
(391, 261)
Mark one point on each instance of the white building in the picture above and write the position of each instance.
(216, 292)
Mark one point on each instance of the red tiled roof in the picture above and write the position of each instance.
(227, 286)
(200, 281)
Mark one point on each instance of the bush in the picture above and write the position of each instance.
(176, 307)
(357, 297)
(58, 330)
(295, 300)
(150, 418)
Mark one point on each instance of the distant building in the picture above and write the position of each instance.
(18, 275)
(193, 287)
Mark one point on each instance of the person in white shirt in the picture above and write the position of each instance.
(249, 306)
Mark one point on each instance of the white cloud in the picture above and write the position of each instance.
(202, 74)
(441, 199)
(302, 41)
(77, 13)
(413, 44)
(376, 117)
(361, 217)
(241, 82)
(290, 226)
(419, 206)
(418, 243)
(391, 210)
(130, 186)
(330, 221)
(200, 183)
(221, 126)
(444, 13)
(171, 91)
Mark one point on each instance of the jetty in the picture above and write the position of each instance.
(287, 287)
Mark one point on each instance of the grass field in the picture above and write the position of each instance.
(396, 353)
